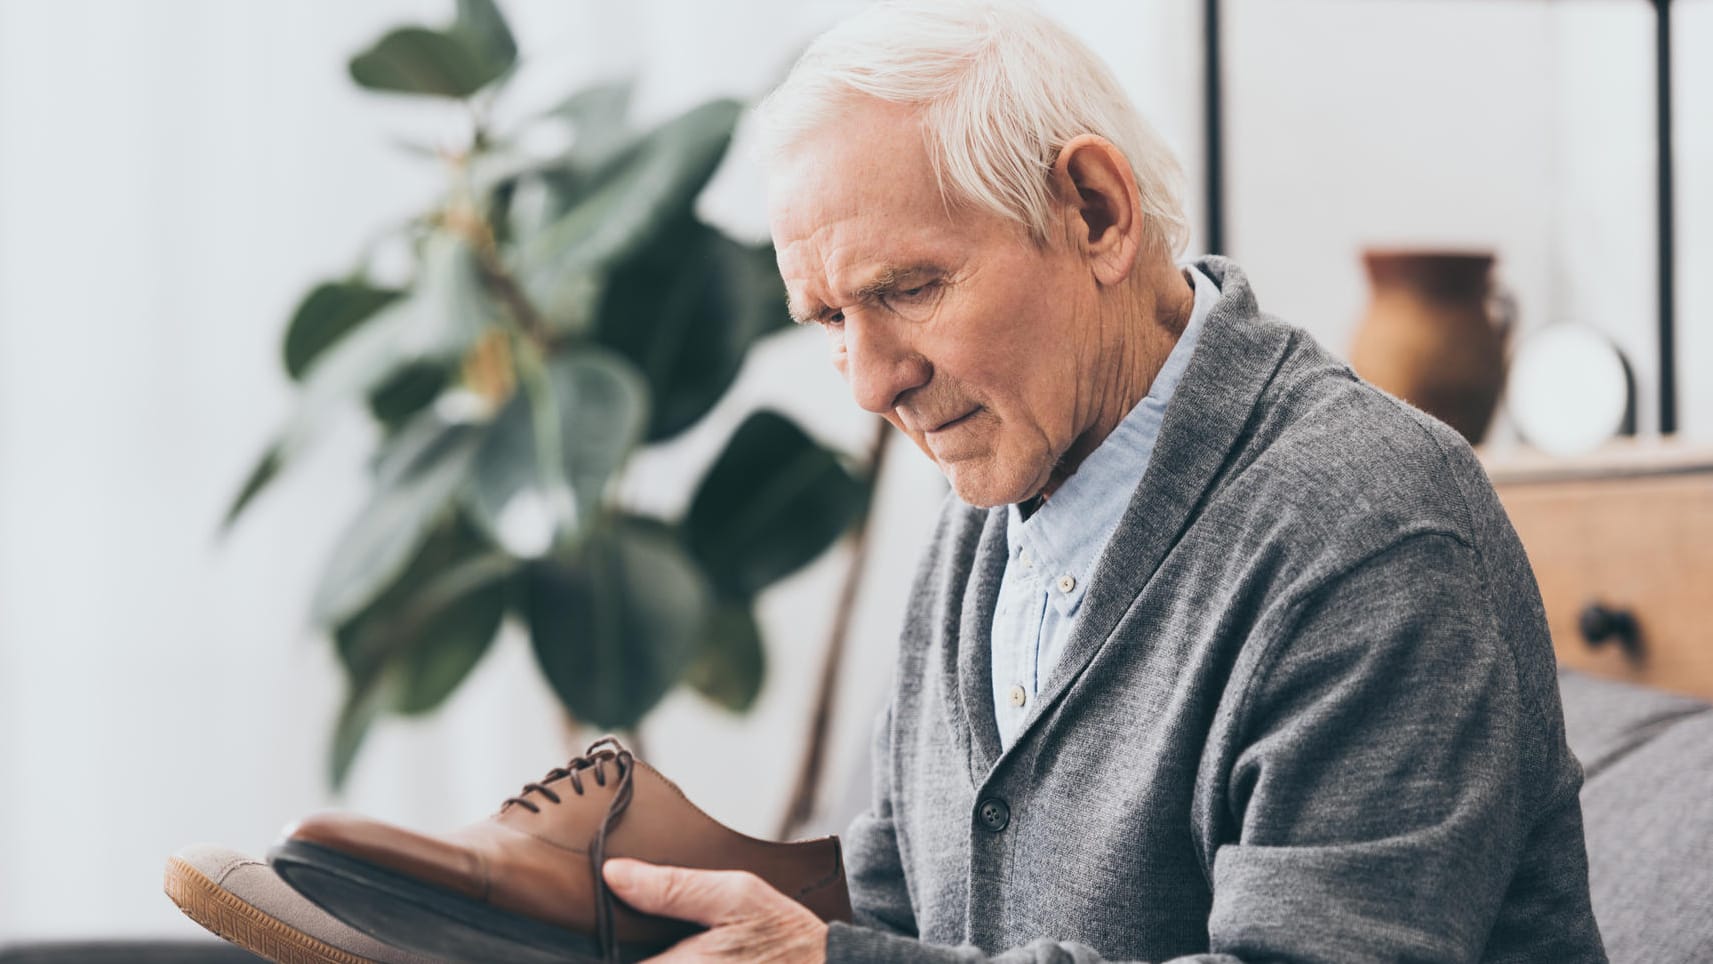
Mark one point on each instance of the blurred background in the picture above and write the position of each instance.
(177, 175)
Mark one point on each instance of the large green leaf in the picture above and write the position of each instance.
(644, 189)
(603, 407)
(361, 361)
(773, 501)
(482, 22)
(363, 706)
(556, 444)
(730, 659)
(326, 314)
(460, 614)
(686, 309)
(408, 391)
(263, 472)
(417, 60)
(432, 625)
(416, 478)
(418, 640)
(615, 624)
(597, 115)
(435, 323)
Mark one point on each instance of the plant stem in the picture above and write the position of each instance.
(511, 295)
(463, 219)
(805, 792)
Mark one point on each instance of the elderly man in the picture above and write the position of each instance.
(1218, 653)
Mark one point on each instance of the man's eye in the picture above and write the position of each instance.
(915, 292)
(823, 320)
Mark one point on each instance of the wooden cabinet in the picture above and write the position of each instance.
(1621, 542)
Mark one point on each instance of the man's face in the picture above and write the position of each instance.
(978, 344)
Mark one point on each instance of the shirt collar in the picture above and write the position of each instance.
(1062, 540)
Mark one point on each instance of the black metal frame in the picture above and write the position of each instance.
(1214, 127)
(1213, 76)
(1667, 227)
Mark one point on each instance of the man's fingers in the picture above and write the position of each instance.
(707, 897)
(694, 949)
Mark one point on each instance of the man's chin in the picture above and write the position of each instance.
(982, 490)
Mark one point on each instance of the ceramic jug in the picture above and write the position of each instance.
(1434, 334)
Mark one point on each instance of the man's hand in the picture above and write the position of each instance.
(747, 920)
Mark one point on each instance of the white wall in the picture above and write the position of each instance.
(1518, 126)
(1692, 31)
(172, 175)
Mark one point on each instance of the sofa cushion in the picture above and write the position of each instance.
(1647, 807)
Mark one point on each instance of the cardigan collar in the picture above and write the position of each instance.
(1233, 363)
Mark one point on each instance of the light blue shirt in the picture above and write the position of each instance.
(1053, 552)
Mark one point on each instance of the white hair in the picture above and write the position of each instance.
(1002, 88)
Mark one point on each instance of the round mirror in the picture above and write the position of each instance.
(1570, 390)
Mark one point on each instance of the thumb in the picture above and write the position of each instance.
(707, 897)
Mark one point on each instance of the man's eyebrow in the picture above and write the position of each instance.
(890, 277)
(800, 314)
(886, 279)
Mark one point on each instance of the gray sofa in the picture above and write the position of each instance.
(1647, 808)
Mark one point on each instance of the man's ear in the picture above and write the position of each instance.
(1102, 207)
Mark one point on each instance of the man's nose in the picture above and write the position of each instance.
(880, 367)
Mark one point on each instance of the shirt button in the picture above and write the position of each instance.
(993, 814)
(1019, 696)
(1067, 582)
(1023, 557)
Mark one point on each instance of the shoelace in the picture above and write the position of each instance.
(594, 758)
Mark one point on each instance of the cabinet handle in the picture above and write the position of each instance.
(1601, 625)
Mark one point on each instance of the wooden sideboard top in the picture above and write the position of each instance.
(1620, 458)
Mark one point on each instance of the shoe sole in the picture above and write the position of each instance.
(226, 915)
(406, 912)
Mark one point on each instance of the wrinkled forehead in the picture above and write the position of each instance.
(868, 161)
(830, 250)
(828, 184)
(856, 196)
(841, 222)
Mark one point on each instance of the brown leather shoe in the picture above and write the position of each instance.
(525, 884)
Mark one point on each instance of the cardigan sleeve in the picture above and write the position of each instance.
(874, 868)
(1388, 773)
(1384, 777)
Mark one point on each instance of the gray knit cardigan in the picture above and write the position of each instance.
(1309, 711)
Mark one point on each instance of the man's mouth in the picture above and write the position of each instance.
(953, 423)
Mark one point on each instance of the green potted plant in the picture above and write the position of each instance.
(564, 314)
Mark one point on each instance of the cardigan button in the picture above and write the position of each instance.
(993, 814)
